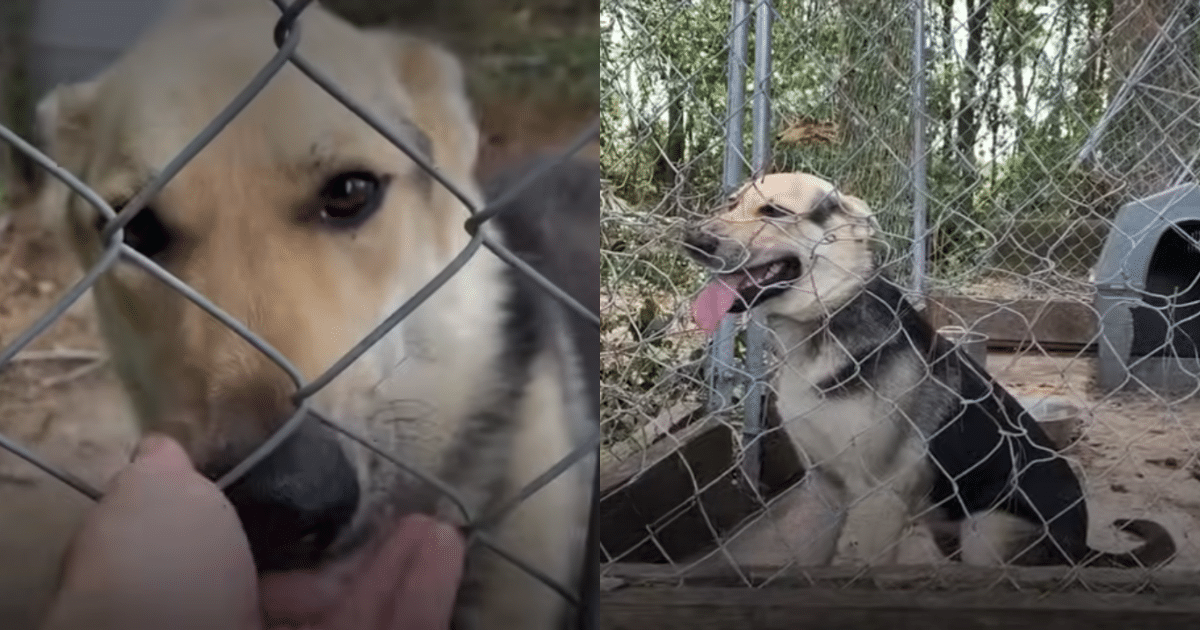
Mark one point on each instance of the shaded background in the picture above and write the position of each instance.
(533, 64)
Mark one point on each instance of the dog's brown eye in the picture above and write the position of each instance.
(145, 233)
(349, 198)
(773, 212)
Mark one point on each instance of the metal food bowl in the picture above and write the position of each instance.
(975, 344)
(1056, 415)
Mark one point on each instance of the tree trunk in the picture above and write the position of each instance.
(1139, 23)
(670, 156)
(968, 112)
(1151, 141)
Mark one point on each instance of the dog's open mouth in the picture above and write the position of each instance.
(743, 289)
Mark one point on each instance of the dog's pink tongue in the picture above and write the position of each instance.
(713, 303)
(310, 597)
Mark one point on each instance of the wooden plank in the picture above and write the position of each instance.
(714, 608)
(623, 465)
(620, 464)
(649, 508)
(661, 512)
(671, 420)
(940, 577)
(1053, 325)
(903, 597)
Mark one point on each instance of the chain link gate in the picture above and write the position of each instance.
(287, 36)
(996, 142)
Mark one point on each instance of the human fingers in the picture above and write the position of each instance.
(157, 496)
(428, 590)
(412, 582)
(163, 539)
(160, 451)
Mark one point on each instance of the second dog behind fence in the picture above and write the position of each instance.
(309, 227)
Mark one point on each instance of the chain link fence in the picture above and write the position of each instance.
(287, 36)
(1009, 150)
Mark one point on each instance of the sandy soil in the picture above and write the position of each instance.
(1134, 452)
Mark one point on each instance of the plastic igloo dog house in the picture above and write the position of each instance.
(1148, 294)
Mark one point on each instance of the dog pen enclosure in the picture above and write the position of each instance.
(1002, 146)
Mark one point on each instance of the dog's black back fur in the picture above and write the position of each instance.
(553, 224)
(988, 452)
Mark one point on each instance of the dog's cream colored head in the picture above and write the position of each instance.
(300, 221)
(789, 244)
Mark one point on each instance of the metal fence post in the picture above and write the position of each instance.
(756, 330)
(721, 369)
(920, 185)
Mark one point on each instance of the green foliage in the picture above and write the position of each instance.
(561, 70)
(663, 71)
(1013, 89)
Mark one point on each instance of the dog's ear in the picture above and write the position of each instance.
(860, 213)
(855, 207)
(61, 125)
(434, 80)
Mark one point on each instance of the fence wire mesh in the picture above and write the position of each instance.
(1030, 167)
(287, 36)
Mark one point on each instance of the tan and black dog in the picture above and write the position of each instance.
(891, 422)
(305, 224)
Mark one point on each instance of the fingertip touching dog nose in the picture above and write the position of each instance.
(295, 502)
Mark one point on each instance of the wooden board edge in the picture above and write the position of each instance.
(717, 608)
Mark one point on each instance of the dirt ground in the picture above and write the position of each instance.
(69, 411)
(1136, 451)
(1136, 454)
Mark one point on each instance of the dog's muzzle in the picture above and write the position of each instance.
(702, 247)
(739, 289)
(297, 501)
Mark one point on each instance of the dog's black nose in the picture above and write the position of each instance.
(700, 244)
(699, 240)
(294, 503)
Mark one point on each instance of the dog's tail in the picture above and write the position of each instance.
(1158, 548)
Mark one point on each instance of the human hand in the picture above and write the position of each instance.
(410, 583)
(162, 549)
